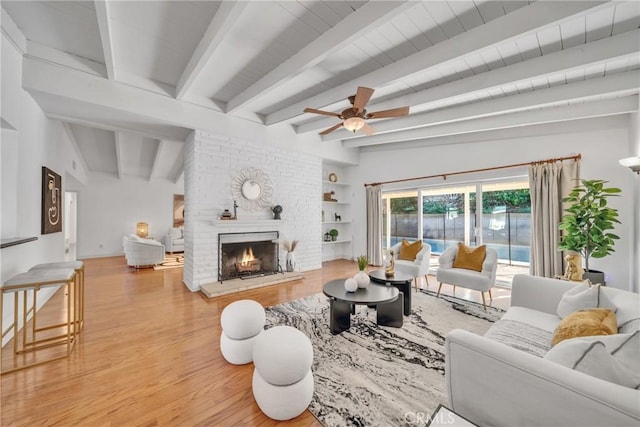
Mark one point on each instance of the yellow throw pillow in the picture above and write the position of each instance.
(470, 258)
(586, 323)
(409, 251)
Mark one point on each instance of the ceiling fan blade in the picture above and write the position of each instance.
(326, 113)
(394, 112)
(368, 130)
(331, 129)
(363, 95)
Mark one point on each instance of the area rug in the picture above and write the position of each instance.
(170, 261)
(373, 375)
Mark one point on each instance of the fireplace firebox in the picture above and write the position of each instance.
(245, 255)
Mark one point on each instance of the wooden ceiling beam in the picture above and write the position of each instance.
(522, 118)
(509, 27)
(223, 20)
(106, 37)
(621, 84)
(354, 26)
(623, 45)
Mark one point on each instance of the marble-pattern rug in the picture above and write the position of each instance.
(373, 375)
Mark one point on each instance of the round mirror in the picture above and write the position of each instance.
(251, 189)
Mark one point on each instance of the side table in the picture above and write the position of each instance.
(401, 281)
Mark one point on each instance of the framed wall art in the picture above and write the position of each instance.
(51, 221)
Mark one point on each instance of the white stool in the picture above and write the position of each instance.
(282, 378)
(242, 322)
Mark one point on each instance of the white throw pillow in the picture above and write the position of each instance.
(581, 297)
(613, 358)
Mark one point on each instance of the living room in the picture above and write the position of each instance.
(163, 130)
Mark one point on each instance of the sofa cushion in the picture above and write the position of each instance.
(538, 319)
(409, 251)
(594, 321)
(613, 358)
(470, 258)
(582, 297)
(521, 336)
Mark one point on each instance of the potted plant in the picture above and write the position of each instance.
(334, 234)
(588, 222)
(361, 277)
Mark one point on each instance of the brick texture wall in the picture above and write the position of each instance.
(211, 162)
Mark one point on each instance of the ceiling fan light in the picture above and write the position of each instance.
(354, 124)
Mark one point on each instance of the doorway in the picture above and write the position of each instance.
(70, 225)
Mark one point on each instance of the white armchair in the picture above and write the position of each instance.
(174, 240)
(481, 281)
(142, 252)
(417, 268)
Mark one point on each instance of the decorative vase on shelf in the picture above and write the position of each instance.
(362, 279)
(291, 261)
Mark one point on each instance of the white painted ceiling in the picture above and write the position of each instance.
(462, 66)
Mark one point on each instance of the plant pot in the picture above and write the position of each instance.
(362, 278)
(594, 276)
(334, 238)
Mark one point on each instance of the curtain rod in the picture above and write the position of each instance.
(445, 175)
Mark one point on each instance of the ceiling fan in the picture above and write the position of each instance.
(354, 118)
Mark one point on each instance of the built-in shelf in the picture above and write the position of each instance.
(336, 242)
(336, 222)
(13, 241)
(336, 183)
(336, 203)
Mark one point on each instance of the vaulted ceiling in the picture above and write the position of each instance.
(462, 66)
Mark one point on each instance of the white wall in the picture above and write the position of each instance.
(634, 150)
(109, 208)
(602, 142)
(29, 141)
(211, 162)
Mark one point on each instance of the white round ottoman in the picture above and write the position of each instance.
(242, 322)
(282, 378)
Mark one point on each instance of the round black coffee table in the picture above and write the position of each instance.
(402, 281)
(342, 304)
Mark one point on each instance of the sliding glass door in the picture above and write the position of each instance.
(497, 214)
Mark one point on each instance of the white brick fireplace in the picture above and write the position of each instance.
(211, 162)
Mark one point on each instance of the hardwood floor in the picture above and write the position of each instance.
(149, 354)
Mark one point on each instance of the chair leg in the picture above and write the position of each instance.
(439, 287)
(484, 304)
(426, 279)
(490, 296)
(454, 290)
(415, 283)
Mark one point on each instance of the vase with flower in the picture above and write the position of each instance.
(361, 277)
(290, 259)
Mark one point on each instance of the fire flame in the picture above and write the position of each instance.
(247, 256)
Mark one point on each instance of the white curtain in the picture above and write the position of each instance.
(374, 224)
(549, 183)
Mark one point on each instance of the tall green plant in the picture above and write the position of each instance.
(588, 220)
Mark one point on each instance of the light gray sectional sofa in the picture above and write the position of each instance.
(508, 377)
